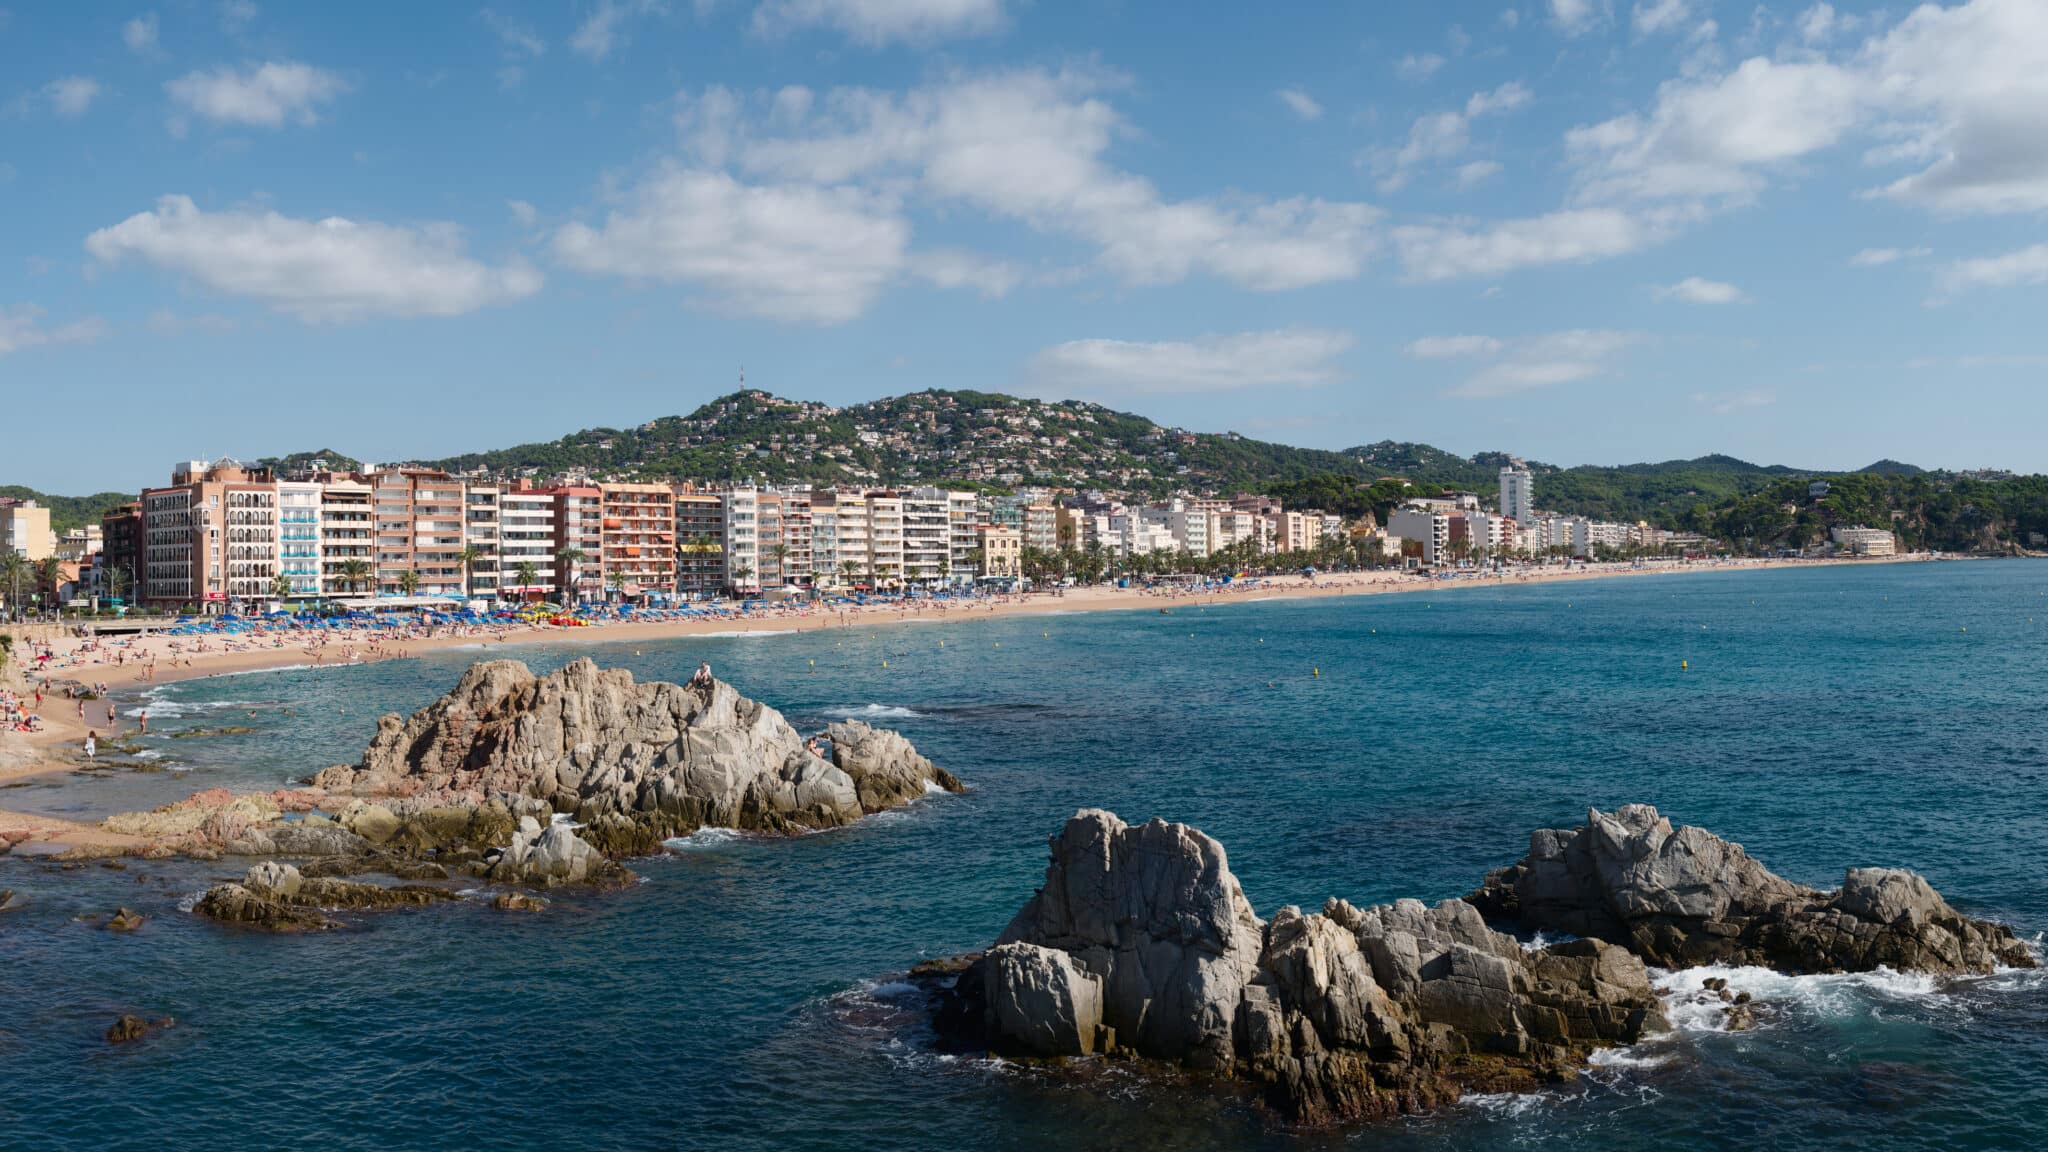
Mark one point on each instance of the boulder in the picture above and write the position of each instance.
(635, 762)
(549, 857)
(1042, 1002)
(1679, 897)
(124, 921)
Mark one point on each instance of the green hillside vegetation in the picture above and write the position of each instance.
(68, 512)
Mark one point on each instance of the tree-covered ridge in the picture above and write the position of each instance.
(68, 512)
(961, 438)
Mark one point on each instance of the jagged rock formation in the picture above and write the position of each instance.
(1142, 943)
(636, 763)
(277, 897)
(1680, 897)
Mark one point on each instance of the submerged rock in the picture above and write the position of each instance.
(1681, 897)
(635, 762)
(123, 920)
(1141, 943)
(131, 1027)
(279, 898)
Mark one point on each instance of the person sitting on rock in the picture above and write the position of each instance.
(702, 680)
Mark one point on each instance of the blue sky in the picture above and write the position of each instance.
(1584, 231)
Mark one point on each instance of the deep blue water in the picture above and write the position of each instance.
(1885, 715)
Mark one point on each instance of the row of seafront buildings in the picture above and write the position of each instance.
(226, 535)
(1440, 530)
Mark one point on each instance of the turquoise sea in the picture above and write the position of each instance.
(739, 998)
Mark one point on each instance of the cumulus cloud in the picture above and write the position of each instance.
(1694, 290)
(956, 268)
(265, 96)
(1032, 146)
(1418, 67)
(1457, 249)
(605, 28)
(1301, 103)
(1452, 347)
(878, 22)
(2011, 269)
(318, 270)
(1441, 136)
(139, 34)
(72, 95)
(1509, 366)
(1878, 257)
(22, 327)
(1285, 358)
(1477, 172)
(794, 252)
(1574, 17)
(1659, 16)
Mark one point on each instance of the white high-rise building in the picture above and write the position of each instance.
(1517, 494)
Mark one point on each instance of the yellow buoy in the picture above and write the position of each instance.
(1045, 633)
(885, 663)
(1317, 672)
(1683, 665)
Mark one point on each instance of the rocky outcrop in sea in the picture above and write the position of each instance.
(1141, 944)
(1682, 897)
(635, 763)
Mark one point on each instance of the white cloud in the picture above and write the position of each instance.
(1546, 360)
(878, 22)
(1441, 136)
(526, 214)
(1452, 347)
(317, 270)
(516, 40)
(604, 29)
(1458, 249)
(1573, 17)
(2011, 269)
(139, 34)
(955, 268)
(1301, 103)
(1694, 290)
(1877, 257)
(22, 327)
(1414, 67)
(1477, 172)
(800, 253)
(1820, 22)
(1030, 146)
(265, 96)
(1659, 16)
(72, 95)
(1510, 18)
(236, 14)
(1285, 358)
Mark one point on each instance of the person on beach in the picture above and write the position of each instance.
(92, 745)
(143, 720)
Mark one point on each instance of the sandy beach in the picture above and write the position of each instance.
(126, 663)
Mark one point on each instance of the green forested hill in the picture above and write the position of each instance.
(68, 512)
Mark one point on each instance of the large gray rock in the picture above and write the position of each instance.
(1340, 1014)
(549, 856)
(1678, 897)
(636, 762)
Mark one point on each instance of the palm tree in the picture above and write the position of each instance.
(468, 557)
(280, 586)
(13, 568)
(116, 578)
(49, 574)
(408, 582)
(354, 574)
(848, 569)
(740, 573)
(526, 573)
(565, 563)
(781, 553)
(617, 580)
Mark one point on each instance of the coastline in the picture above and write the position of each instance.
(56, 748)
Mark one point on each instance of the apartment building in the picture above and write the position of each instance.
(885, 540)
(209, 539)
(700, 544)
(1001, 550)
(579, 529)
(927, 537)
(347, 537)
(1426, 532)
(299, 537)
(1517, 494)
(638, 540)
(743, 539)
(418, 532)
(839, 537)
(482, 539)
(1861, 541)
(120, 550)
(25, 529)
(798, 536)
(768, 522)
(526, 544)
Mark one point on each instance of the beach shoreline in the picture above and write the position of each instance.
(58, 747)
